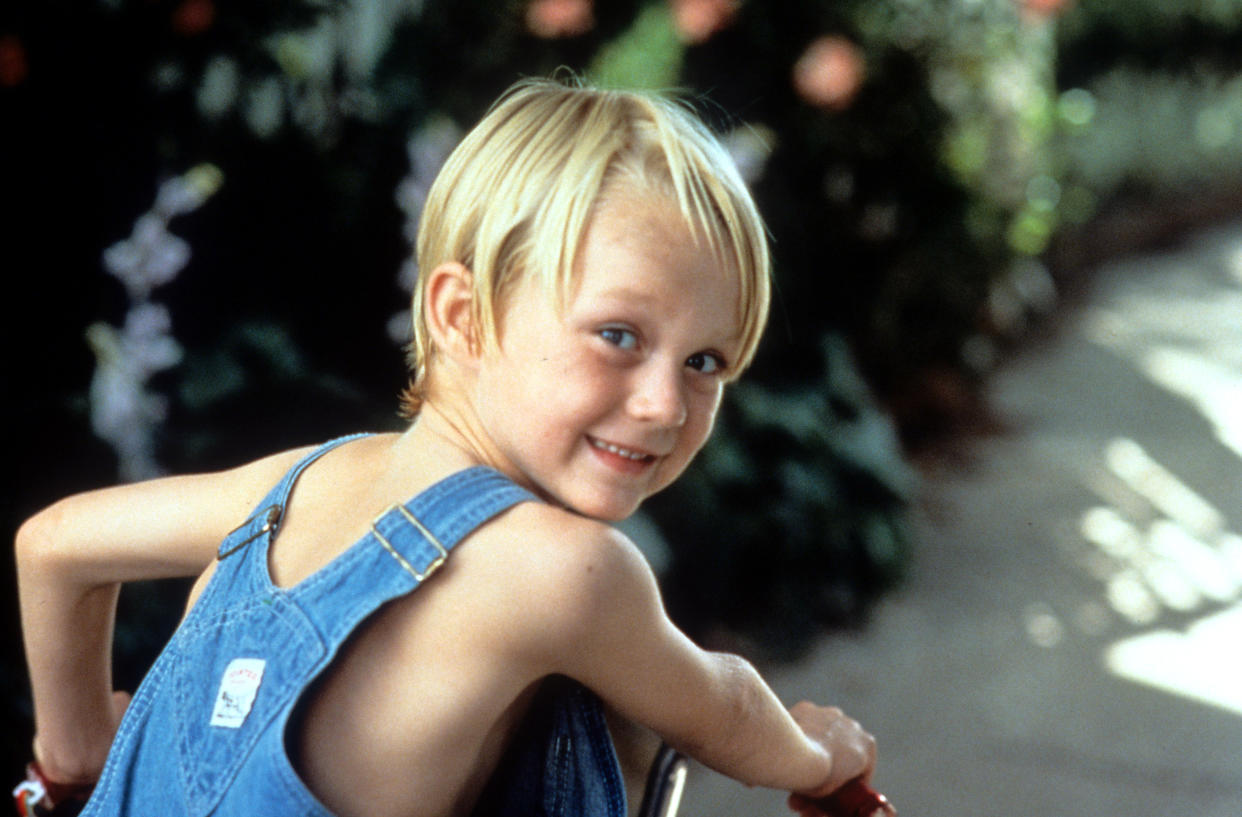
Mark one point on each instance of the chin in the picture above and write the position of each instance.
(606, 512)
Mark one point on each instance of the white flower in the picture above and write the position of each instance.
(149, 258)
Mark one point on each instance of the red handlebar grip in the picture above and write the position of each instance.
(855, 799)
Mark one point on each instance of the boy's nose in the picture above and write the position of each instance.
(658, 396)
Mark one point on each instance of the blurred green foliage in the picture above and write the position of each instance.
(1151, 99)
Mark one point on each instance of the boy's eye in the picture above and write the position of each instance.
(621, 338)
(705, 363)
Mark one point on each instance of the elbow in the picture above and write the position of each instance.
(35, 549)
(48, 558)
(748, 688)
(723, 737)
(28, 545)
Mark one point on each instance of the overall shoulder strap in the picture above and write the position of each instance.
(267, 515)
(406, 545)
(420, 533)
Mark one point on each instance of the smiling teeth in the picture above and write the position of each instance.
(620, 452)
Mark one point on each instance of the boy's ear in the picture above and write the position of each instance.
(449, 305)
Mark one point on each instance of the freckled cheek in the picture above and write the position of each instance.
(575, 394)
(590, 381)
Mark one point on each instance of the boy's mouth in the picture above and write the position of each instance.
(619, 451)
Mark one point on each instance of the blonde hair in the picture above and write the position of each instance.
(516, 195)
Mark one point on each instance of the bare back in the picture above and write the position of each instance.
(415, 711)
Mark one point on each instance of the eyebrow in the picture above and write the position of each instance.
(629, 294)
(626, 293)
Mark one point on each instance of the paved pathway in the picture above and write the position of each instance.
(1069, 643)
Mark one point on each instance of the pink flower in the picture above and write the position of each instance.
(552, 19)
(1037, 10)
(829, 73)
(697, 20)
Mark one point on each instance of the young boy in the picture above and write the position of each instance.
(593, 273)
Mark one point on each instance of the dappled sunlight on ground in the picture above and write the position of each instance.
(1200, 663)
(1160, 545)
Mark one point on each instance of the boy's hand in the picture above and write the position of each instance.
(851, 748)
(854, 799)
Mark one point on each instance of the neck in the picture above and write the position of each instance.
(452, 439)
(449, 432)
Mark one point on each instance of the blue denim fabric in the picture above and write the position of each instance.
(169, 760)
(561, 763)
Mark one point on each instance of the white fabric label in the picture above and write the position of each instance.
(238, 688)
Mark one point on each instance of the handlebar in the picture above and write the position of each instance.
(854, 799)
(667, 778)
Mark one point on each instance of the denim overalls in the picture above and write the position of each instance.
(205, 733)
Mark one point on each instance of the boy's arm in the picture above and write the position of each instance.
(618, 640)
(72, 558)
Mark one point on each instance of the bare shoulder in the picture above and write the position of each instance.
(572, 552)
(583, 602)
(566, 574)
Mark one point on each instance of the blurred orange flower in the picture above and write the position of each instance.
(1044, 9)
(698, 20)
(552, 19)
(830, 72)
(13, 65)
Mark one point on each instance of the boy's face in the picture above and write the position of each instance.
(604, 403)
